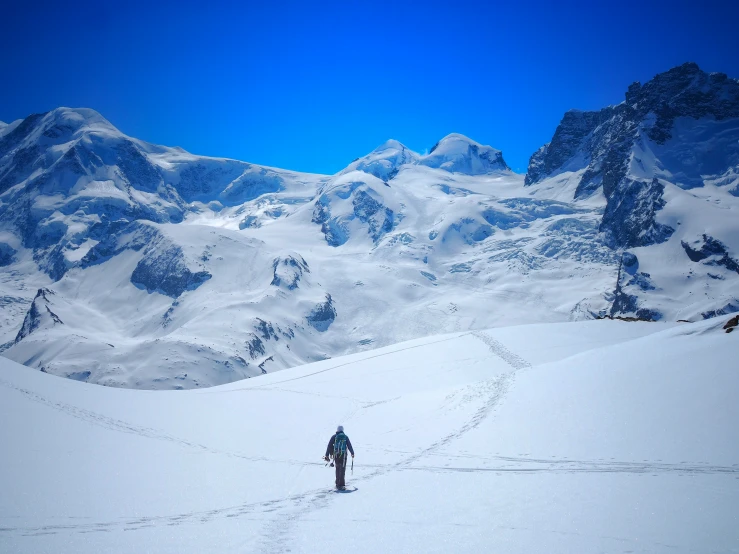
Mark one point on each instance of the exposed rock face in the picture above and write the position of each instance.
(38, 315)
(569, 139)
(7, 254)
(630, 215)
(333, 230)
(379, 219)
(288, 271)
(711, 252)
(606, 147)
(323, 315)
(165, 270)
(628, 284)
(355, 200)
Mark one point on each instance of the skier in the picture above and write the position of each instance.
(337, 448)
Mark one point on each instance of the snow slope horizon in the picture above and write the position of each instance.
(595, 436)
(134, 265)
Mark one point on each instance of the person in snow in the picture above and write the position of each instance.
(337, 447)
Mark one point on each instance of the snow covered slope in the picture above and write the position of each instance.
(595, 436)
(133, 265)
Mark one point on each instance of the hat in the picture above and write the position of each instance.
(340, 429)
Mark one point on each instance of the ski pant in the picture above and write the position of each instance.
(340, 463)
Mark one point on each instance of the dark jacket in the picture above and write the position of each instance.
(330, 447)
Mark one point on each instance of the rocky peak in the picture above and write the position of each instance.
(571, 134)
(683, 91)
(39, 314)
(603, 145)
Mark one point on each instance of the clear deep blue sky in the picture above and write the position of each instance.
(295, 85)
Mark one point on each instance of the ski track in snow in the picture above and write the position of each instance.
(278, 534)
(121, 426)
(287, 511)
(293, 508)
(497, 348)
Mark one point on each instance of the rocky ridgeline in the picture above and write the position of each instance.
(602, 146)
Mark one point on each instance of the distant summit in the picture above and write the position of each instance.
(384, 161)
(459, 154)
(454, 153)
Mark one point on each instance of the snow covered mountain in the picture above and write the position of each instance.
(134, 265)
(667, 162)
(595, 436)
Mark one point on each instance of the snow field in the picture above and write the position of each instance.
(589, 436)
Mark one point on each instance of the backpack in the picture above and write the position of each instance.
(339, 445)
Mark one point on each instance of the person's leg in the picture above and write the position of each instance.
(338, 472)
(346, 463)
(342, 471)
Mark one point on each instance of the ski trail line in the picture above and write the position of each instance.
(497, 348)
(277, 536)
(121, 426)
(292, 508)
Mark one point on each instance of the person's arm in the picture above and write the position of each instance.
(330, 447)
(349, 446)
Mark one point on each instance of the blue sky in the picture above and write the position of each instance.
(295, 85)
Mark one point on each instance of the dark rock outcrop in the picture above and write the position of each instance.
(366, 207)
(711, 251)
(7, 254)
(333, 230)
(569, 139)
(38, 315)
(254, 346)
(165, 270)
(630, 216)
(728, 308)
(322, 315)
(288, 271)
(379, 219)
(626, 304)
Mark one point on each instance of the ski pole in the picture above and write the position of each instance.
(352, 465)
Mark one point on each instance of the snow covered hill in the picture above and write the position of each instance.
(593, 436)
(134, 265)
